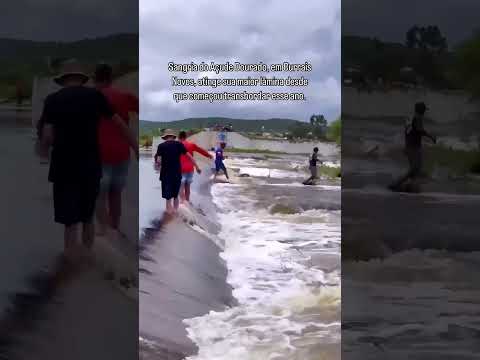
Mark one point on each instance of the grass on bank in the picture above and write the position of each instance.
(330, 172)
(458, 162)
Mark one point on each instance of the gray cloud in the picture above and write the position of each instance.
(61, 20)
(247, 31)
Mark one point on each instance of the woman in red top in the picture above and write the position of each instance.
(187, 165)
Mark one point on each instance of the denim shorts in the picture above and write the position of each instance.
(187, 178)
(114, 177)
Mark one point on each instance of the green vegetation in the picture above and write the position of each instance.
(423, 59)
(146, 136)
(23, 59)
(467, 63)
(458, 162)
(239, 125)
(317, 128)
(334, 131)
(330, 172)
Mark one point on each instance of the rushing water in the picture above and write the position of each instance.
(282, 250)
(413, 304)
(284, 266)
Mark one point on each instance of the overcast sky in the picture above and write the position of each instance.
(247, 31)
(62, 20)
(390, 19)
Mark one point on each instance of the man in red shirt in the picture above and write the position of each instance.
(114, 150)
(187, 165)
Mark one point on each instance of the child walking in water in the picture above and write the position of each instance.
(219, 157)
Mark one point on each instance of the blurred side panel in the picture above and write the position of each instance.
(52, 307)
(410, 179)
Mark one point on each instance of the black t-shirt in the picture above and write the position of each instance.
(170, 151)
(75, 113)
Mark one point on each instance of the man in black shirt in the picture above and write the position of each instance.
(170, 152)
(71, 117)
(414, 132)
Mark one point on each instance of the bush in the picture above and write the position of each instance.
(334, 132)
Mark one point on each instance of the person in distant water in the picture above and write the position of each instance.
(222, 136)
(114, 150)
(170, 152)
(187, 165)
(313, 166)
(414, 132)
(219, 157)
(71, 120)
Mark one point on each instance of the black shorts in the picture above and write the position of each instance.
(171, 187)
(75, 202)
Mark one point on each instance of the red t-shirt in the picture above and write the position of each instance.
(114, 148)
(187, 165)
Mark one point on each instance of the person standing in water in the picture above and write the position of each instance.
(71, 118)
(114, 150)
(170, 152)
(414, 132)
(219, 157)
(187, 165)
(313, 167)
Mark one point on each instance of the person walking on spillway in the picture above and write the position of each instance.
(219, 157)
(188, 166)
(170, 152)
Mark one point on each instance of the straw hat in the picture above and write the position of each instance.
(71, 68)
(167, 133)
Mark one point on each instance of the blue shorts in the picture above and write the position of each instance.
(219, 165)
(187, 178)
(114, 177)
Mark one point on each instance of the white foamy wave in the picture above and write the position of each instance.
(331, 164)
(284, 303)
(299, 184)
(270, 173)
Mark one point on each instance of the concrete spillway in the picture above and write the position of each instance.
(208, 139)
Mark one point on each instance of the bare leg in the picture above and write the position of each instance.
(88, 234)
(70, 241)
(102, 212)
(186, 187)
(169, 206)
(115, 207)
(176, 203)
(183, 192)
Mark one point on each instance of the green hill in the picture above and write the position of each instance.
(21, 60)
(378, 59)
(242, 125)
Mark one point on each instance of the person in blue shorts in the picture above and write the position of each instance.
(219, 157)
